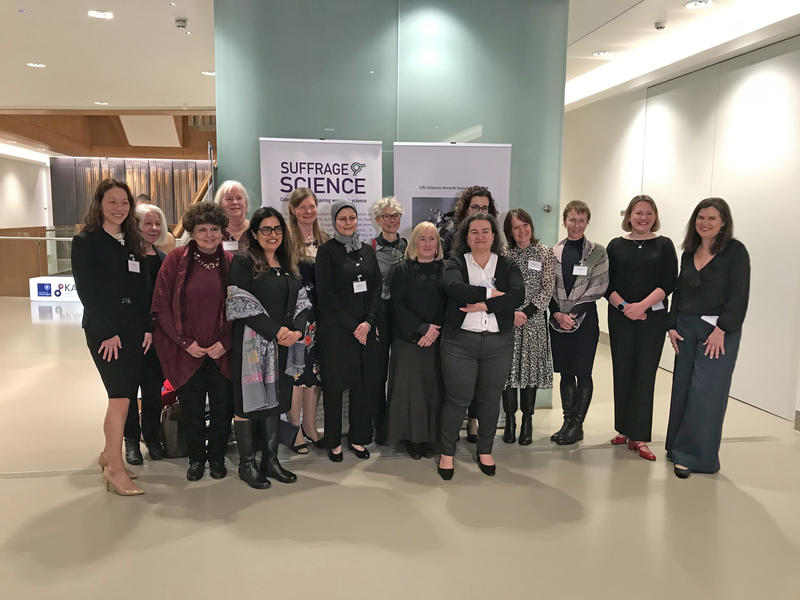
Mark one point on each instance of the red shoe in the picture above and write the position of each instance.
(642, 448)
(619, 440)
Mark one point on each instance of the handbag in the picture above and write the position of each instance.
(172, 437)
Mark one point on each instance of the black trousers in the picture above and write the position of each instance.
(360, 416)
(192, 396)
(635, 352)
(700, 388)
(474, 367)
(377, 382)
(151, 381)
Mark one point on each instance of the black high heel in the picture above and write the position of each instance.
(489, 470)
(446, 474)
(305, 435)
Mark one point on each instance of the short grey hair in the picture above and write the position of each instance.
(141, 210)
(387, 202)
(227, 186)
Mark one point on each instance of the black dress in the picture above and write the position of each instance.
(277, 291)
(636, 268)
(114, 289)
(416, 390)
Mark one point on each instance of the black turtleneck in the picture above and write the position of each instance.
(571, 256)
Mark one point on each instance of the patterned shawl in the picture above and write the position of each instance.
(587, 288)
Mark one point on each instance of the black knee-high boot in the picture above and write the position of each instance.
(510, 408)
(527, 404)
(567, 388)
(269, 455)
(248, 472)
(574, 432)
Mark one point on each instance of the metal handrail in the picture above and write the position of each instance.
(30, 237)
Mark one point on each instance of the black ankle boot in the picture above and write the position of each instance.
(133, 454)
(567, 389)
(510, 409)
(528, 404)
(248, 472)
(269, 455)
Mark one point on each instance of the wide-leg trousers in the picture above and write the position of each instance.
(636, 348)
(700, 388)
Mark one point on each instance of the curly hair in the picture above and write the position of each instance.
(387, 202)
(522, 215)
(464, 200)
(296, 198)
(460, 243)
(130, 226)
(691, 241)
(284, 253)
(204, 213)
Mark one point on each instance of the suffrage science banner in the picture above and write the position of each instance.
(332, 169)
(428, 177)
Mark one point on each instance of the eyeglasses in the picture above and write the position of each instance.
(267, 230)
(393, 216)
(478, 208)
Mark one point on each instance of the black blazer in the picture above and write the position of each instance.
(508, 279)
(113, 297)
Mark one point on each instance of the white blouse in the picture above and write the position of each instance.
(481, 321)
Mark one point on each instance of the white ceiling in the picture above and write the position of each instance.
(139, 60)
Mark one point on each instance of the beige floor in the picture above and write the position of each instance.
(589, 521)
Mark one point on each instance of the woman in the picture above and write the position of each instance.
(581, 279)
(349, 292)
(389, 248)
(415, 375)
(152, 227)
(193, 337)
(532, 363)
(483, 290)
(269, 316)
(705, 327)
(305, 236)
(232, 197)
(113, 287)
(642, 269)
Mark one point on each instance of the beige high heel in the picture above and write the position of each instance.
(103, 463)
(113, 487)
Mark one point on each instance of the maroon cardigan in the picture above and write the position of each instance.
(173, 333)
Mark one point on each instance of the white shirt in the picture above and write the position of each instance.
(481, 321)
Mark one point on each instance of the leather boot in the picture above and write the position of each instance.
(567, 389)
(528, 404)
(574, 432)
(248, 472)
(510, 408)
(269, 454)
(133, 454)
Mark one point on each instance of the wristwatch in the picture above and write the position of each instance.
(622, 305)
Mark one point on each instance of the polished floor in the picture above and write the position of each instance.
(589, 521)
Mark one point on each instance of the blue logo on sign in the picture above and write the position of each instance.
(43, 289)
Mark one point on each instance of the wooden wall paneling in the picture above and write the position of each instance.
(19, 261)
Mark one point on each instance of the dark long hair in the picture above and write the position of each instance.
(522, 215)
(460, 244)
(130, 227)
(691, 241)
(284, 253)
(464, 200)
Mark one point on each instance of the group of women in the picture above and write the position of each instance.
(260, 330)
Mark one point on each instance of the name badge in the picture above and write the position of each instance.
(133, 266)
(534, 265)
(580, 270)
(658, 306)
(230, 246)
(359, 287)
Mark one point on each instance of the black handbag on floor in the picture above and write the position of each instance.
(171, 433)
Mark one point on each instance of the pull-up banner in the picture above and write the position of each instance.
(332, 169)
(428, 177)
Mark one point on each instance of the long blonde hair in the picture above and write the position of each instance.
(295, 235)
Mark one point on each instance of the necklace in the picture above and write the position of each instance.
(208, 265)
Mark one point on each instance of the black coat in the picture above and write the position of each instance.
(459, 292)
(109, 291)
(344, 361)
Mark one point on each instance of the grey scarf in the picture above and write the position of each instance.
(351, 242)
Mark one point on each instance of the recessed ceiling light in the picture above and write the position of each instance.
(106, 15)
(329, 129)
(36, 65)
(602, 53)
(698, 3)
(209, 73)
(372, 71)
(101, 103)
(172, 4)
(188, 32)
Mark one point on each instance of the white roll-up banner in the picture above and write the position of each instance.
(428, 177)
(332, 169)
